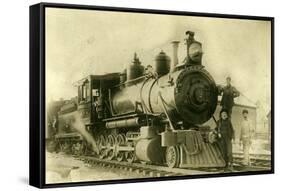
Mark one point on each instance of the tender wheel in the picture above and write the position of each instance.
(52, 146)
(76, 148)
(66, 147)
(173, 156)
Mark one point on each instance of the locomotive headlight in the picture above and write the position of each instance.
(195, 52)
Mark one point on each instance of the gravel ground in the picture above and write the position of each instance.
(62, 169)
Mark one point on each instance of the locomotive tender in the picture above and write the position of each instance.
(149, 116)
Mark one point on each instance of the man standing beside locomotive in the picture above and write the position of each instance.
(228, 92)
(247, 132)
(225, 134)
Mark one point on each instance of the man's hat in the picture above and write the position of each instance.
(245, 111)
(228, 77)
(224, 110)
(148, 66)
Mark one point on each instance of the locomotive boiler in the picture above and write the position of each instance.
(153, 116)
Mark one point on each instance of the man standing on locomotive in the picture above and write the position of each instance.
(228, 92)
(225, 134)
(149, 72)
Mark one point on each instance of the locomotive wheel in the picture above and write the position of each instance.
(120, 140)
(130, 156)
(173, 156)
(120, 156)
(111, 147)
(102, 144)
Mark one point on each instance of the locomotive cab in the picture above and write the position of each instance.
(93, 92)
(84, 87)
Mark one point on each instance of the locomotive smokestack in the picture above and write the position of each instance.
(175, 54)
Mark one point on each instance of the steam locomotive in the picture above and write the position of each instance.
(154, 117)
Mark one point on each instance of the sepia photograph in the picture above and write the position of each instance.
(143, 95)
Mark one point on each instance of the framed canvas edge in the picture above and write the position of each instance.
(37, 95)
(35, 129)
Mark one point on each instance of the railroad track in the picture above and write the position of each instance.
(259, 161)
(148, 170)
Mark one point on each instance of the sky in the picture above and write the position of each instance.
(84, 42)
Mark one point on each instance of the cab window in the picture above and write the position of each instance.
(84, 92)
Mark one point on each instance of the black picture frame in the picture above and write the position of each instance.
(37, 92)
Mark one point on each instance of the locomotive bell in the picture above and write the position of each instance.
(162, 64)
